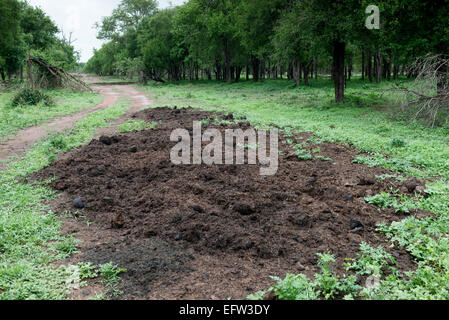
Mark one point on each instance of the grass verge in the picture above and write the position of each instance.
(30, 238)
(12, 119)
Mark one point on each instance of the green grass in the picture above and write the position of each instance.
(368, 120)
(12, 119)
(136, 125)
(112, 79)
(30, 237)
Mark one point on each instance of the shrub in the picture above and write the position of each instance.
(31, 97)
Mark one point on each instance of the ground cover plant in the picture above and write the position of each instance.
(14, 118)
(373, 130)
(358, 208)
(329, 126)
(30, 236)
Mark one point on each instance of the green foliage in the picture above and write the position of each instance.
(12, 47)
(385, 200)
(372, 261)
(294, 287)
(425, 155)
(26, 29)
(301, 153)
(110, 277)
(158, 43)
(126, 16)
(39, 30)
(68, 246)
(384, 177)
(87, 271)
(136, 125)
(30, 233)
(110, 273)
(67, 102)
(327, 285)
(31, 97)
(322, 158)
(398, 143)
(326, 281)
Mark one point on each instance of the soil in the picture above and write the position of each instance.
(220, 231)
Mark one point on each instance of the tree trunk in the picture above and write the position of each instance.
(30, 75)
(191, 72)
(350, 69)
(197, 72)
(247, 73)
(290, 71)
(370, 67)
(378, 60)
(339, 70)
(228, 62)
(238, 72)
(297, 72)
(442, 79)
(390, 66)
(269, 70)
(395, 72)
(363, 64)
(256, 65)
(306, 74)
(217, 71)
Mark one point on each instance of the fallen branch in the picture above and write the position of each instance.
(429, 93)
(59, 75)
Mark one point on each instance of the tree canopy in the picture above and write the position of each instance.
(269, 38)
(25, 29)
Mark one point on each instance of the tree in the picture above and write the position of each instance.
(158, 44)
(332, 24)
(190, 29)
(128, 15)
(255, 21)
(291, 45)
(11, 40)
(38, 29)
(218, 17)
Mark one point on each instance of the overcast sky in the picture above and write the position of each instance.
(79, 17)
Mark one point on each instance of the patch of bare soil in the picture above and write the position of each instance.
(213, 232)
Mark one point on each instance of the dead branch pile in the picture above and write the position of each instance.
(49, 76)
(428, 96)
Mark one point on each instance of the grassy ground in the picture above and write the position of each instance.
(30, 238)
(369, 121)
(12, 119)
(113, 79)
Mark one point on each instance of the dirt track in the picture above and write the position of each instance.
(18, 144)
(180, 230)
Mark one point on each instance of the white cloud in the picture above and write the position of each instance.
(79, 17)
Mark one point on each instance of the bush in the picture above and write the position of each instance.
(31, 97)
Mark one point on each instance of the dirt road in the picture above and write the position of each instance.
(21, 142)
